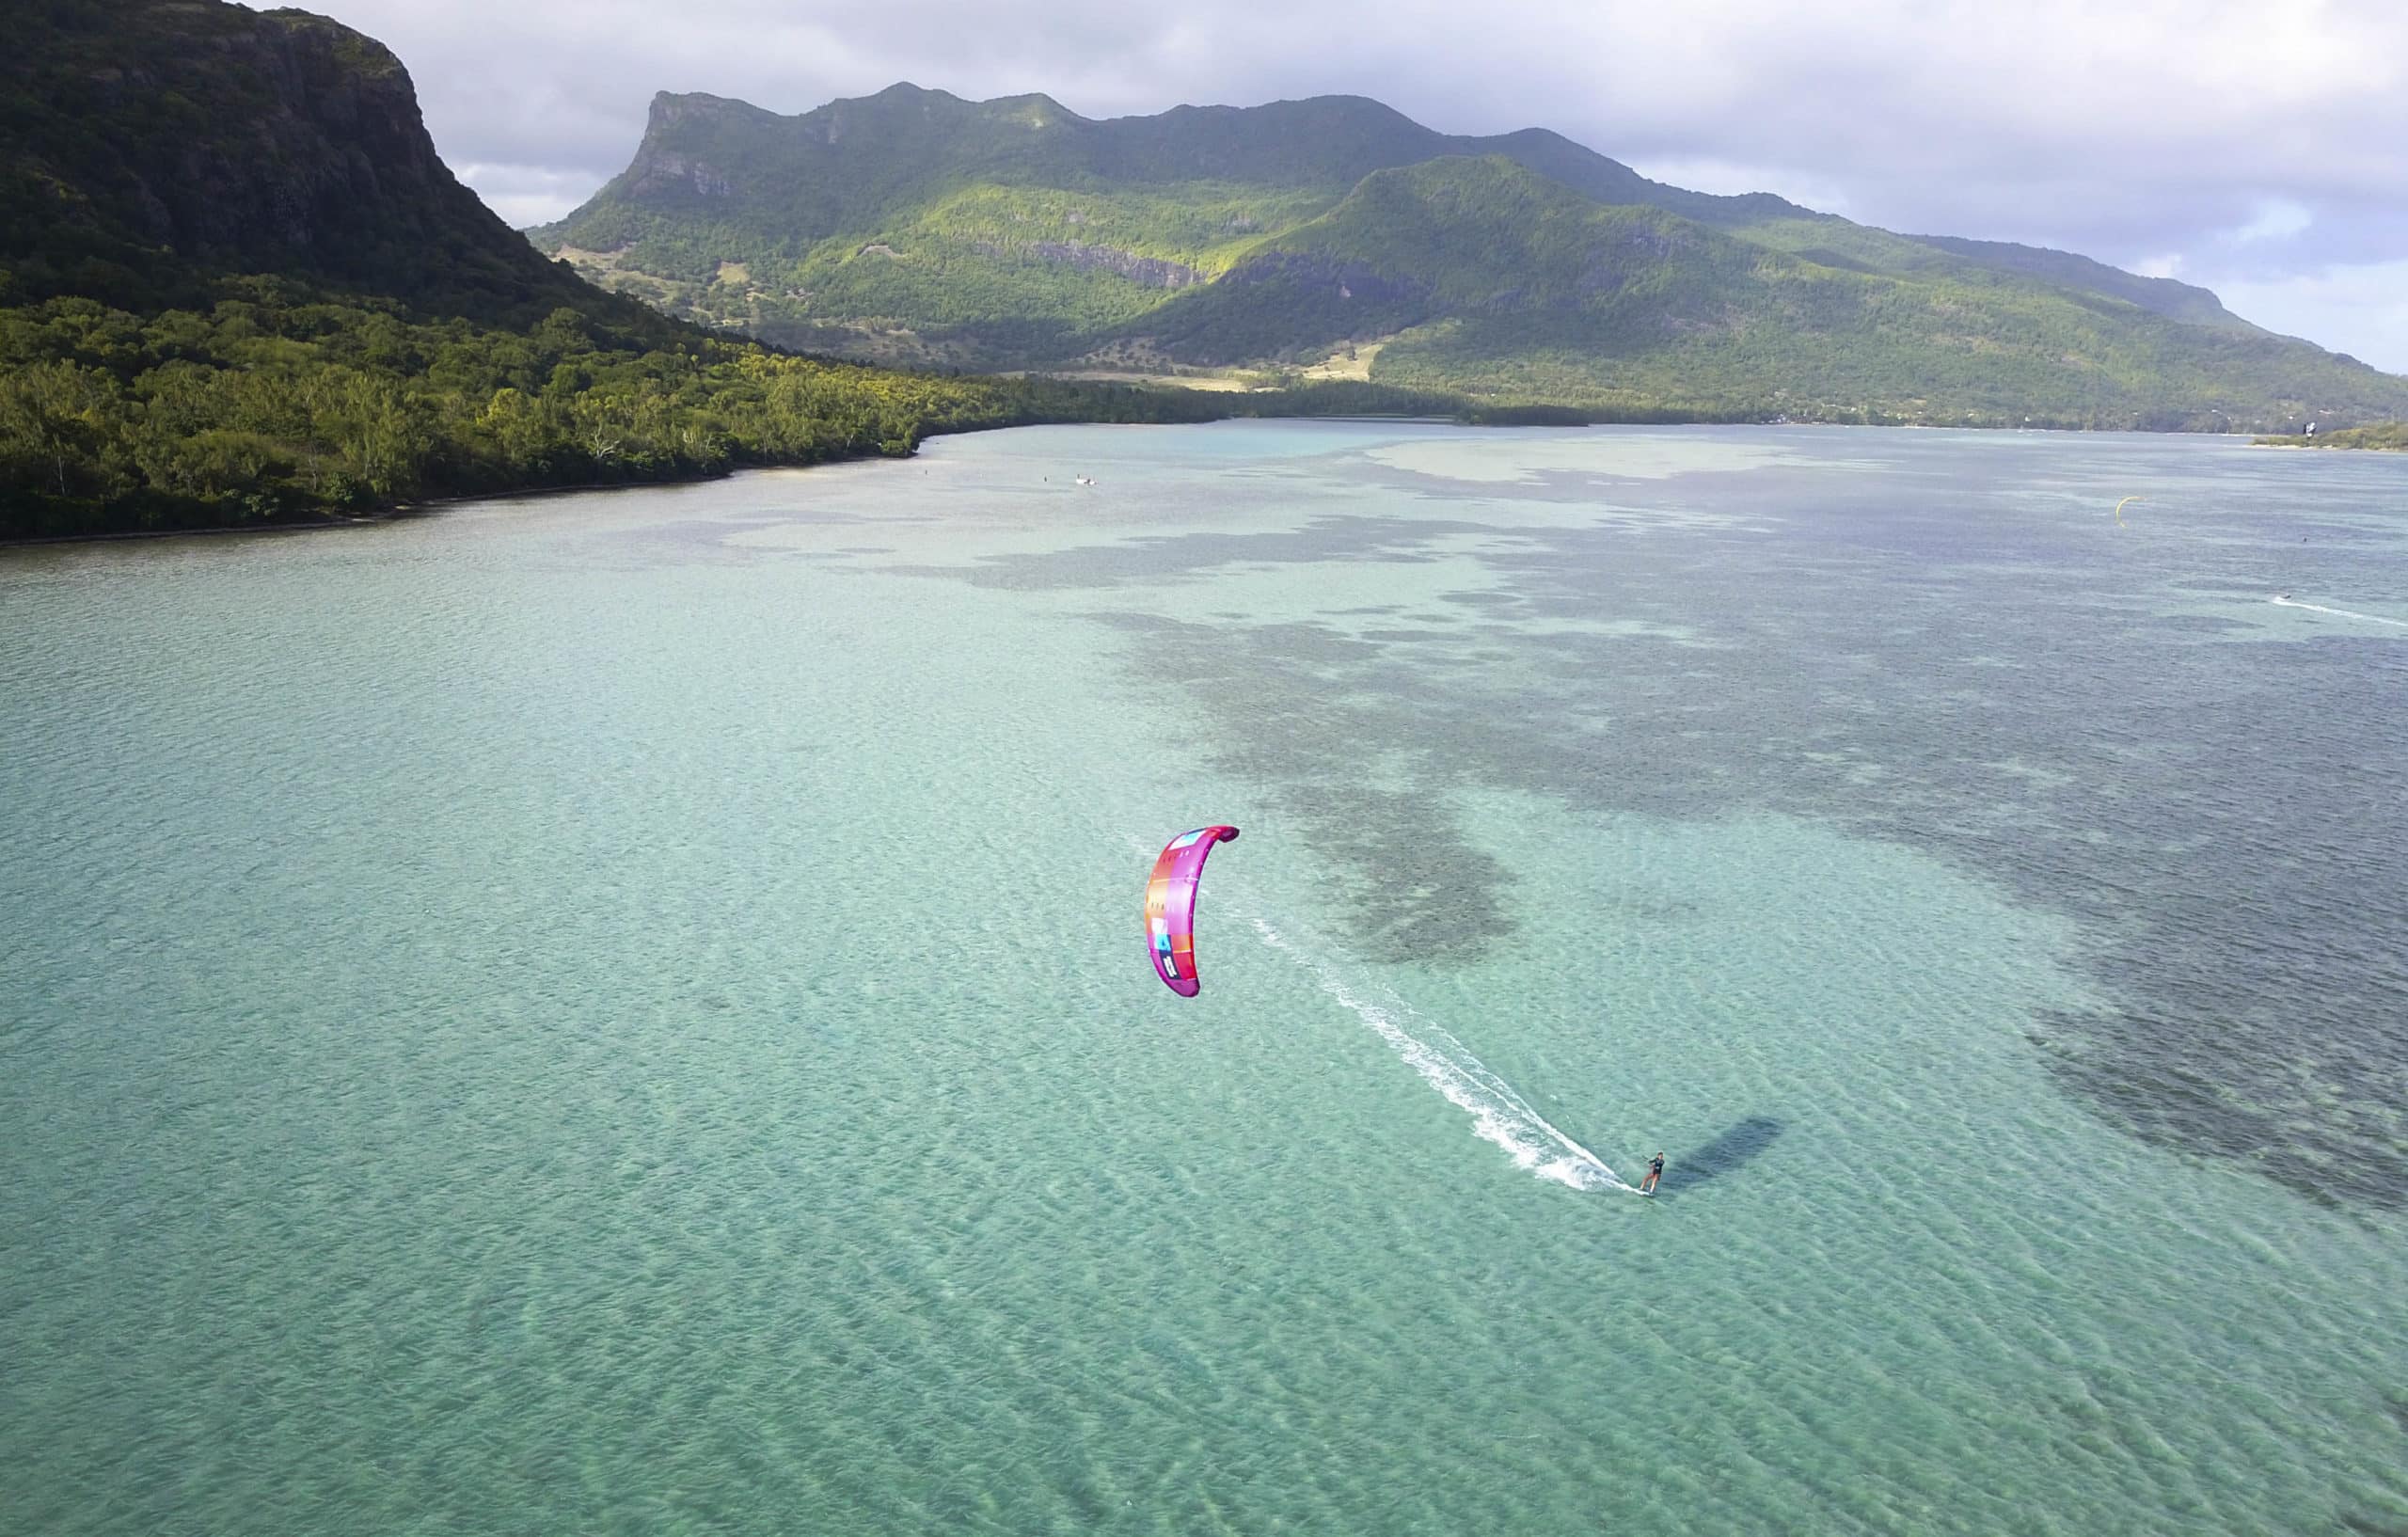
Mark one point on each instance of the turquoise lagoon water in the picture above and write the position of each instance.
(626, 1012)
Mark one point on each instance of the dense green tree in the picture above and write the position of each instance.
(287, 405)
(2380, 434)
(53, 417)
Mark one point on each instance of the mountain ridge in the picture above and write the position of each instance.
(1326, 143)
(1013, 235)
(1505, 277)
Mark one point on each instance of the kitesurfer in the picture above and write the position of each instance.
(1654, 1172)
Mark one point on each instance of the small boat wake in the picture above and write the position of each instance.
(1499, 1115)
(2287, 601)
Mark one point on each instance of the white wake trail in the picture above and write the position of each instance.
(1498, 1115)
(2340, 613)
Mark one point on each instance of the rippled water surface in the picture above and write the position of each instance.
(626, 1012)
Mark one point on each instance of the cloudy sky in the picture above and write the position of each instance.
(2260, 150)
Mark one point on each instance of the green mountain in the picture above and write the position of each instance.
(1502, 284)
(1520, 268)
(237, 284)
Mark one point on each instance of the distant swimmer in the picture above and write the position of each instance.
(1654, 1172)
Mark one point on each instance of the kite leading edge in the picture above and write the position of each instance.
(1170, 906)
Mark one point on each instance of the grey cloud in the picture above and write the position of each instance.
(524, 195)
(2366, 302)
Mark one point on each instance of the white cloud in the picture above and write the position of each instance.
(524, 195)
(2360, 309)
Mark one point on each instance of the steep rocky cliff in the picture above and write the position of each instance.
(149, 146)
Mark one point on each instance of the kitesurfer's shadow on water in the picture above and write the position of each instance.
(1725, 1155)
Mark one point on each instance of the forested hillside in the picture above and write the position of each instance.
(1497, 282)
(2392, 436)
(913, 225)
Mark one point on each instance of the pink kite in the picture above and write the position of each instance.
(1170, 906)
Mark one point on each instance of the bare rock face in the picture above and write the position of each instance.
(334, 148)
(663, 170)
(1153, 272)
(660, 164)
(1145, 271)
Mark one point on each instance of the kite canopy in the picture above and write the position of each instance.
(1170, 906)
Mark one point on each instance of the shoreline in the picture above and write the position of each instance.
(401, 512)
(312, 526)
(429, 506)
